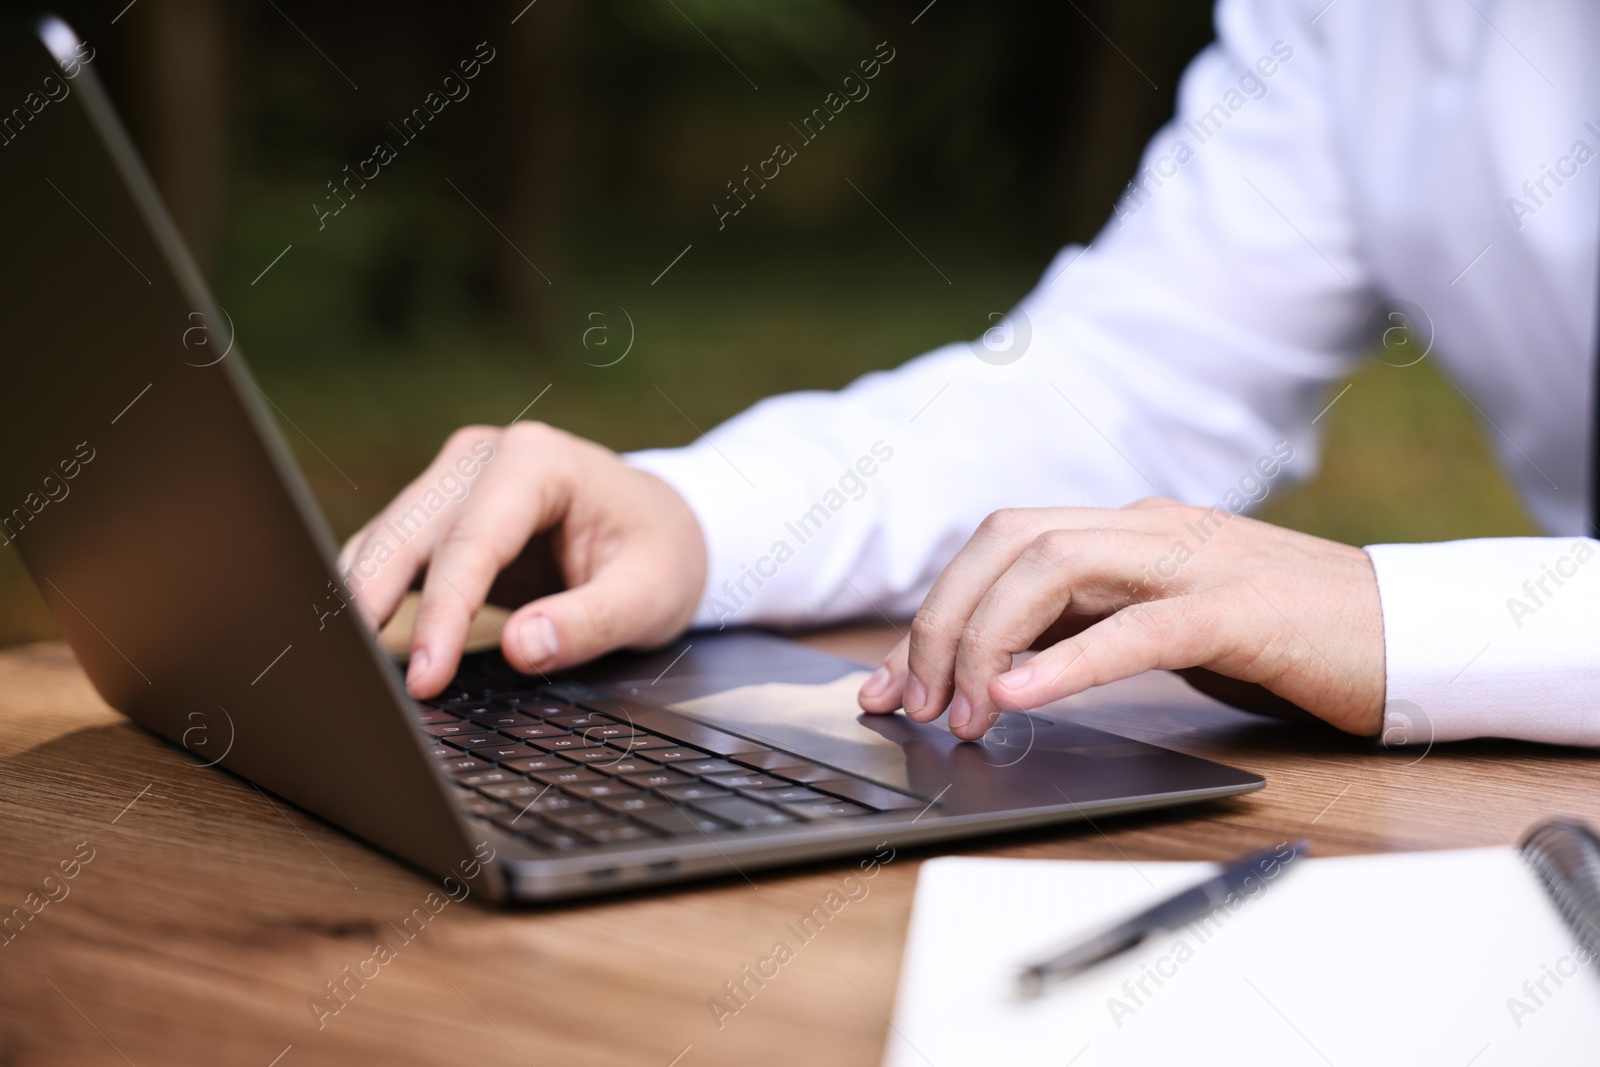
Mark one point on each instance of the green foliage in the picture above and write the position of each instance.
(816, 30)
(1000, 132)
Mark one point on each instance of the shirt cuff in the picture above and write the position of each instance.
(1491, 638)
(739, 545)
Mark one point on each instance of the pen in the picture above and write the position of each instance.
(1175, 911)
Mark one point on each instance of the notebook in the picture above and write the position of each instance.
(1454, 958)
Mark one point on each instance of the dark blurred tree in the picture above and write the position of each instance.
(543, 53)
(816, 32)
(180, 78)
(1130, 90)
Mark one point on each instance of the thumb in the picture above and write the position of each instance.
(621, 605)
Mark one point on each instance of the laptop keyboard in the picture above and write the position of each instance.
(564, 777)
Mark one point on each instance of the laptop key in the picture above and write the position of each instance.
(596, 790)
(638, 743)
(675, 821)
(837, 809)
(591, 734)
(476, 738)
(600, 756)
(505, 751)
(495, 719)
(743, 813)
(578, 820)
(673, 755)
(567, 776)
(582, 721)
(552, 839)
(745, 780)
(612, 731)
(559, 840)
(434, 716)
(611, 835)
(873, 796)
(693, 791)
(644, 742)
(467, 708)
(634, 802)
(559, 744)
(460, 764)
(450, 727)
(515, 696)
(794, 794)
(809, 773)
(657, 778)
(532, 730)
(539, 762)
(508, 820)
(481, 806)
(513, 792)
(551, 800)
(622, 765)
(772, 761)
(693, 733)
(531, 702)
(475, 778)
(703, 767)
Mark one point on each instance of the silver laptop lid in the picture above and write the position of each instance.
(161, 516)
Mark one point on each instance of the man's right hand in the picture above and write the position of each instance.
(625, 546)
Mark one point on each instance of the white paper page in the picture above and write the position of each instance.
(1412, 959)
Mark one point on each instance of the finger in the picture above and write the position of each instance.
(618, 607)
(995, 546)
(931, 650)
(1086, 572)
(348, 550)
(382, 560)
(525, 492)
(1161, 635)
(382, 567)
(883, 692)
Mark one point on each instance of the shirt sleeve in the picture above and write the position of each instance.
(1497, 637)
(1193, 338)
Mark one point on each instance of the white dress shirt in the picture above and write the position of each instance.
(1326, 158)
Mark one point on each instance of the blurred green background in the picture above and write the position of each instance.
(460, 282)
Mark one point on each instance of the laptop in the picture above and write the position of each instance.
(145, 485)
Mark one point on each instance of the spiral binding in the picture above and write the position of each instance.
(1566, 853)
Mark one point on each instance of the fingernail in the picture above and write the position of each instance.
(916, 695)
(960, 711)
(877, 683)
(1016, 679)
(418, 666)
(538, 641)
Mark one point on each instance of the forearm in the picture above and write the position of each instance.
(1193, 340)
(818, 506)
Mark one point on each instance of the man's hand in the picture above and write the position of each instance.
(1154, 585)
(623, 543)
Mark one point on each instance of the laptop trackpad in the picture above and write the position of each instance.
(804, 701)
(819, 721)
(1024, 761)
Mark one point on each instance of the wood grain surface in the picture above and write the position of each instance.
(209, 917)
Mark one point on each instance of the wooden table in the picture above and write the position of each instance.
(208, 918)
